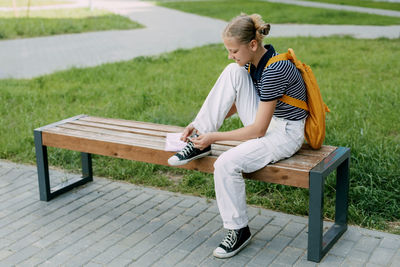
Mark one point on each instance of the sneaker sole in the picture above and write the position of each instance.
(183, 162)
(233, 253)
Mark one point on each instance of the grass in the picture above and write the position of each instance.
(61, 21)
(279, 13)
(364, 3)
(24, 3)
(359, 81)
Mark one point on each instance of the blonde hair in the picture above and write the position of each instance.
(246, 28)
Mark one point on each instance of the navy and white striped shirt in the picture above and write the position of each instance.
(277, 79)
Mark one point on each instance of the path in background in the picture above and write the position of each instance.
(383, 12)
(166, 30)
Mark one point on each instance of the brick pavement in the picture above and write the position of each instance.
(111, 223)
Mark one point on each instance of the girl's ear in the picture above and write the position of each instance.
(253, 45)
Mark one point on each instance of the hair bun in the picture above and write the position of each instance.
(264, 29)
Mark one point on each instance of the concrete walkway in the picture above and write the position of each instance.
(383, 12)
(109, 223)
(166, 30)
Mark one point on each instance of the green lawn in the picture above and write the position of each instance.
(279, 13)
(60, 21)
(359, 81)
(364, 3)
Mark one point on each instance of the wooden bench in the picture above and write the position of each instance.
(142, 141)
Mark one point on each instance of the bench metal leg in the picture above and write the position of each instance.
(47, 193)
(87, 170)
(315, 219)
(42, 167)
(319, 243)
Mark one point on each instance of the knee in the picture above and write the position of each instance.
(226, 164)
(236, 72)
(235, 69)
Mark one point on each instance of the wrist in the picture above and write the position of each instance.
(214, 137)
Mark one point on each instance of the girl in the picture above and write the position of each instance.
(253, 91)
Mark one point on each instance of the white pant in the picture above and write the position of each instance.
(282, 140)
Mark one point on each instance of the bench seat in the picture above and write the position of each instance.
(145, 142)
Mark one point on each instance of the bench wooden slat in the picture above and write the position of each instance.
(119, 128)
(145, 142)
(134, 124)
(145, 126)
(133, 136)
(47, 140)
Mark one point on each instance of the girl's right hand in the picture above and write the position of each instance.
(187, 132)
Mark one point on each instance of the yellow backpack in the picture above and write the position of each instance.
(314, 130)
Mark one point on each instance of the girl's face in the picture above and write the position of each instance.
(241, 53)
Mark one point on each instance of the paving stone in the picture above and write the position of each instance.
(4, 253)
(278, 243)
(342, 248)
(303, 262)
(32, 261)
(331, 261)
(133, 239)
(390, 243)
(352, 234)
(292, 229)
(172, 258)
(263, 258)
(351, 263)
(268, 232)
(213, 209)
(289, 256)
(188, 202)
(94, 264)
(109, 254)
(301, 241)
(19, 256)
(382, 256)
(239, 260)
(259, 222)
(212, 262)
(252, 248)
(357, 255)
(118, 262)
(196, 209)
(367, 243)
(199, 254)
(369, 264)
(395, 259)
(5, 243)
(280, 221)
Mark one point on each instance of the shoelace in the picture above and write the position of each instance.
(187, 149)
(230, 239)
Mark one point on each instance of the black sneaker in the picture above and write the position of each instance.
(188, 153)
(233, 242)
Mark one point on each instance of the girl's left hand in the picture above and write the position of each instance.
(203, 141)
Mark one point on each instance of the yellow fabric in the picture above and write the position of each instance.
(314, 130)
(294, 102)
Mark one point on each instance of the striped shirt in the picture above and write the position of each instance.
(277, 79)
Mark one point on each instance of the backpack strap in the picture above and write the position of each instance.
(285, 98)
(294, 102)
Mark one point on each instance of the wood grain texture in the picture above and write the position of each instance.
(143, 141)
